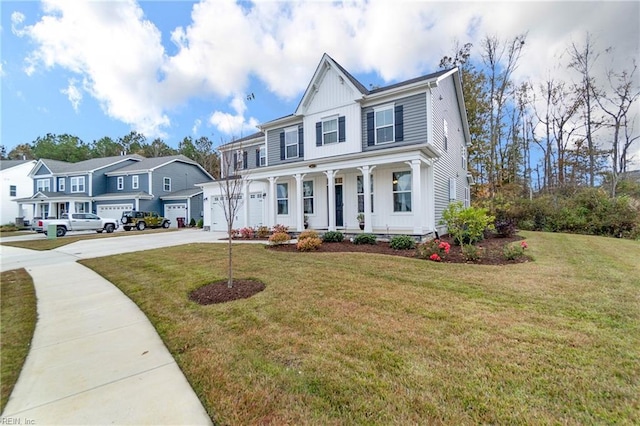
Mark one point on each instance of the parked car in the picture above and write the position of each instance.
(141, 220)
(78, 222)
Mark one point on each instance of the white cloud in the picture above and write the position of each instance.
(196, 126)
(234, 124)
(2, 73)
(73, 94)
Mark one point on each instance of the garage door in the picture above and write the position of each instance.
(219, 223)
(112, 211)
(174, 211)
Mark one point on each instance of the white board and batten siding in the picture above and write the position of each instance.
(256, 213)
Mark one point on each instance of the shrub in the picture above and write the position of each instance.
(279, 238)
(364, 239)
(434, 250)
(307, 234)
(466, 225)
(505, 227)
(234, 233)
(402, 242)
(200, 223)
(247, 233)
(192, 222)
(263, 232)
(309, 244)
(280, 228)
(333, 237)
(515, 250)
(471, 252)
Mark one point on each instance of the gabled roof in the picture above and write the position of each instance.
(7, 164)
(184, 193)
(150, 164)
(432, 76)
(62, 167)
(251, 137)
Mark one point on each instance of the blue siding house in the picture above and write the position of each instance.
(108, 186)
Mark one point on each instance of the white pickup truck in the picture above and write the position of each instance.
(79, 222)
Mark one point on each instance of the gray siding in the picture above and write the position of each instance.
(101, 183)
(273, 148)
(450, 164)
(251, 158)
(182, 175)
(415, 122)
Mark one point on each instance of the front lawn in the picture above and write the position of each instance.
(17, 323)
(353, 338)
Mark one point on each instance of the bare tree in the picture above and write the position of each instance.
(231, 186)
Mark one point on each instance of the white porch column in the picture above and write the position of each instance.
(50, 209)
(416, 196)
(299, 202)
(431, 199)
(331, 185)
(245, 196)
(272, 212)
(366, 193)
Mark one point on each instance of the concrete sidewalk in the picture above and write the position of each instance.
(95, 358)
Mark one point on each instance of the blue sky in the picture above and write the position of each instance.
(172, 69)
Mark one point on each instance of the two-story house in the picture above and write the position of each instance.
(395, 154)
(16, 184)
(108, 186)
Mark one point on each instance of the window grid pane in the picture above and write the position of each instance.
(401, 191)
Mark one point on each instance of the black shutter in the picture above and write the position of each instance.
(371, 129)
(282, 147)
(399, 123)
(258, 157)
(319, 133)
(341, 129)
(301, 142)
(245, 163)
(235, 162)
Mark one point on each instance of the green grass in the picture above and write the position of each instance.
(17, 323)
(43, 243)
(354, 338)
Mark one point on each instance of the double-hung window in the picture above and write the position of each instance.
(135, 182)
(262, 154)
(384, 124)
(12, 190)
(291, 142)
(43, 185)
(360, 186)
(120, 183)
(402, 191)
(307, 196)
(166, 184)
(77, 184)
(61, 183)
(330, 131)
(282, 190)
(463, 154)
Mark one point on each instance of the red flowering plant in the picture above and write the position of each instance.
(435, 250)
(515, 251)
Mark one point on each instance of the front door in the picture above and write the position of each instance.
(339, 206)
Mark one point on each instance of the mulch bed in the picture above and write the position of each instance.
(491, 250)
(219, 292)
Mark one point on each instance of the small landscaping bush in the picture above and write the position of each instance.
(234, 233)
(434, 250)
(200, 223)
(308, 234)
(192, 223)
(247, 233)
(309, 244)
(402, 242)
(471, 252)
(505, 227)
(279, 238)
(364, 239)
(280, 228)
(333, 237)
(263, 232)
(466, 225)
(9, 228)
(515, 251)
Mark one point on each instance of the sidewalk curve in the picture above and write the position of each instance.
(96, 359)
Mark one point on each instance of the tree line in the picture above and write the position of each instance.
(72, 149)
(539, 136)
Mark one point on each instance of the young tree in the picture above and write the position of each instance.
(61, 147)
(105, 147)
(132, 143)
(21, 152)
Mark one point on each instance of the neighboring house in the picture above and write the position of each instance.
(396, 154)
(16, 184)
(108, 186)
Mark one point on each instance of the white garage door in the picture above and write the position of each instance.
(174, 211)
(113, 211)
(219, 223)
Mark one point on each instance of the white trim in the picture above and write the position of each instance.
(286, 145)
(135, 182)
(79, 180)
(120, 183)
(384, 108)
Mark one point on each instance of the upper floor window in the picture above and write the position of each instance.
(453, 193)
(262, 156)
(120, 183)
(282, 190)
(239, 158)
(330, 131)
(307, 196)
(77, 184)
(12, 190)
(43, 185)
(385, 124)
(166, 184)
(463, 154)
(401, 191)
(135, 182)
(61, 184)
(291, 142)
